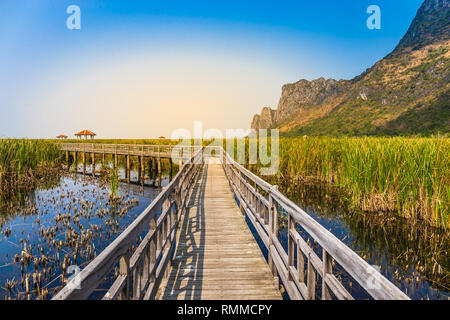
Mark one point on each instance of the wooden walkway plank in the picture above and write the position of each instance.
(216, 256)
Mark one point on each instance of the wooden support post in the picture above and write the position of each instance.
(170, 169)
(67, 160)
(115, 161)
(142, 170)
(93, 164)
(103, 160)
(150, 167)
(75, 161)
(127, 169)
(84, 162)
(159, 172)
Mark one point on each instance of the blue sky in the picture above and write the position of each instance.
(140, 69)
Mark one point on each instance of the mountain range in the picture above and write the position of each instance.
(406, 92)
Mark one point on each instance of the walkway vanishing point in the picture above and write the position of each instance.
(194, 242)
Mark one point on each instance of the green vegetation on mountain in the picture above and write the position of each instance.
(406, 93)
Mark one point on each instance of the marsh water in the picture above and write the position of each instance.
(411, 254)
(72, 220)
(56, 230)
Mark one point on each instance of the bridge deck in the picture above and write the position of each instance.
(217, 257)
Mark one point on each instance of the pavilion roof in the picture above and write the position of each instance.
(85, 133)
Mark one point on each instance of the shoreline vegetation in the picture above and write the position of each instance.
(25, 163)
(406, 176)
(409, 176)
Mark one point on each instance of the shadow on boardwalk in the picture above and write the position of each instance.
(217, 257)
(184, 277)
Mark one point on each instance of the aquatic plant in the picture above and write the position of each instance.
(24, 161)
(114, 182)
(409, 176)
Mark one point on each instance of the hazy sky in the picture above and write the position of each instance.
(140, 69)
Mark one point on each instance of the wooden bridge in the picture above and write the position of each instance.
(155, 153)
(193, 242)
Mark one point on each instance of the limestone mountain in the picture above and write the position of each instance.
(407, 92)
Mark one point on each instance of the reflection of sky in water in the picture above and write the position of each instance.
(150, 179)
(56, 200)
(382, 244)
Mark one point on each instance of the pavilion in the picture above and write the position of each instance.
(85, 133)
(61, 136)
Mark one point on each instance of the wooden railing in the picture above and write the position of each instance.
(125, 149)
(141, 271)
(298, 266)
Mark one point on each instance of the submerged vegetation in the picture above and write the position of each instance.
(59, 229)
(409, 176)
(24, 162)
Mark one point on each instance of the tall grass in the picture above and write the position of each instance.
(114, 181)
(23, 160)
(410, 176)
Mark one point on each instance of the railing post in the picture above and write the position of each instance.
(125, 271)
(291, 226)
(311, 281)
(275, 217)
(169, 224)
(300, 264)
(272, 233)
(137, 276)
(152, 250)
(146, 266)
(327, 269)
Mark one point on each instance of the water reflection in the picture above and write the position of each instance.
(50, 229)
(411, 254)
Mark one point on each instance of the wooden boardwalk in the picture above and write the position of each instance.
(216, 256)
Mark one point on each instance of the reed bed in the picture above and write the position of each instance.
(409, 176)
(24, 161)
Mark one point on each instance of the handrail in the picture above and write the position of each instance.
(147, 265)
(300, 279)
(164, 151)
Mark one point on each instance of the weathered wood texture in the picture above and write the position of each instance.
(264, 204)
(142, 270)
(217, 257)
